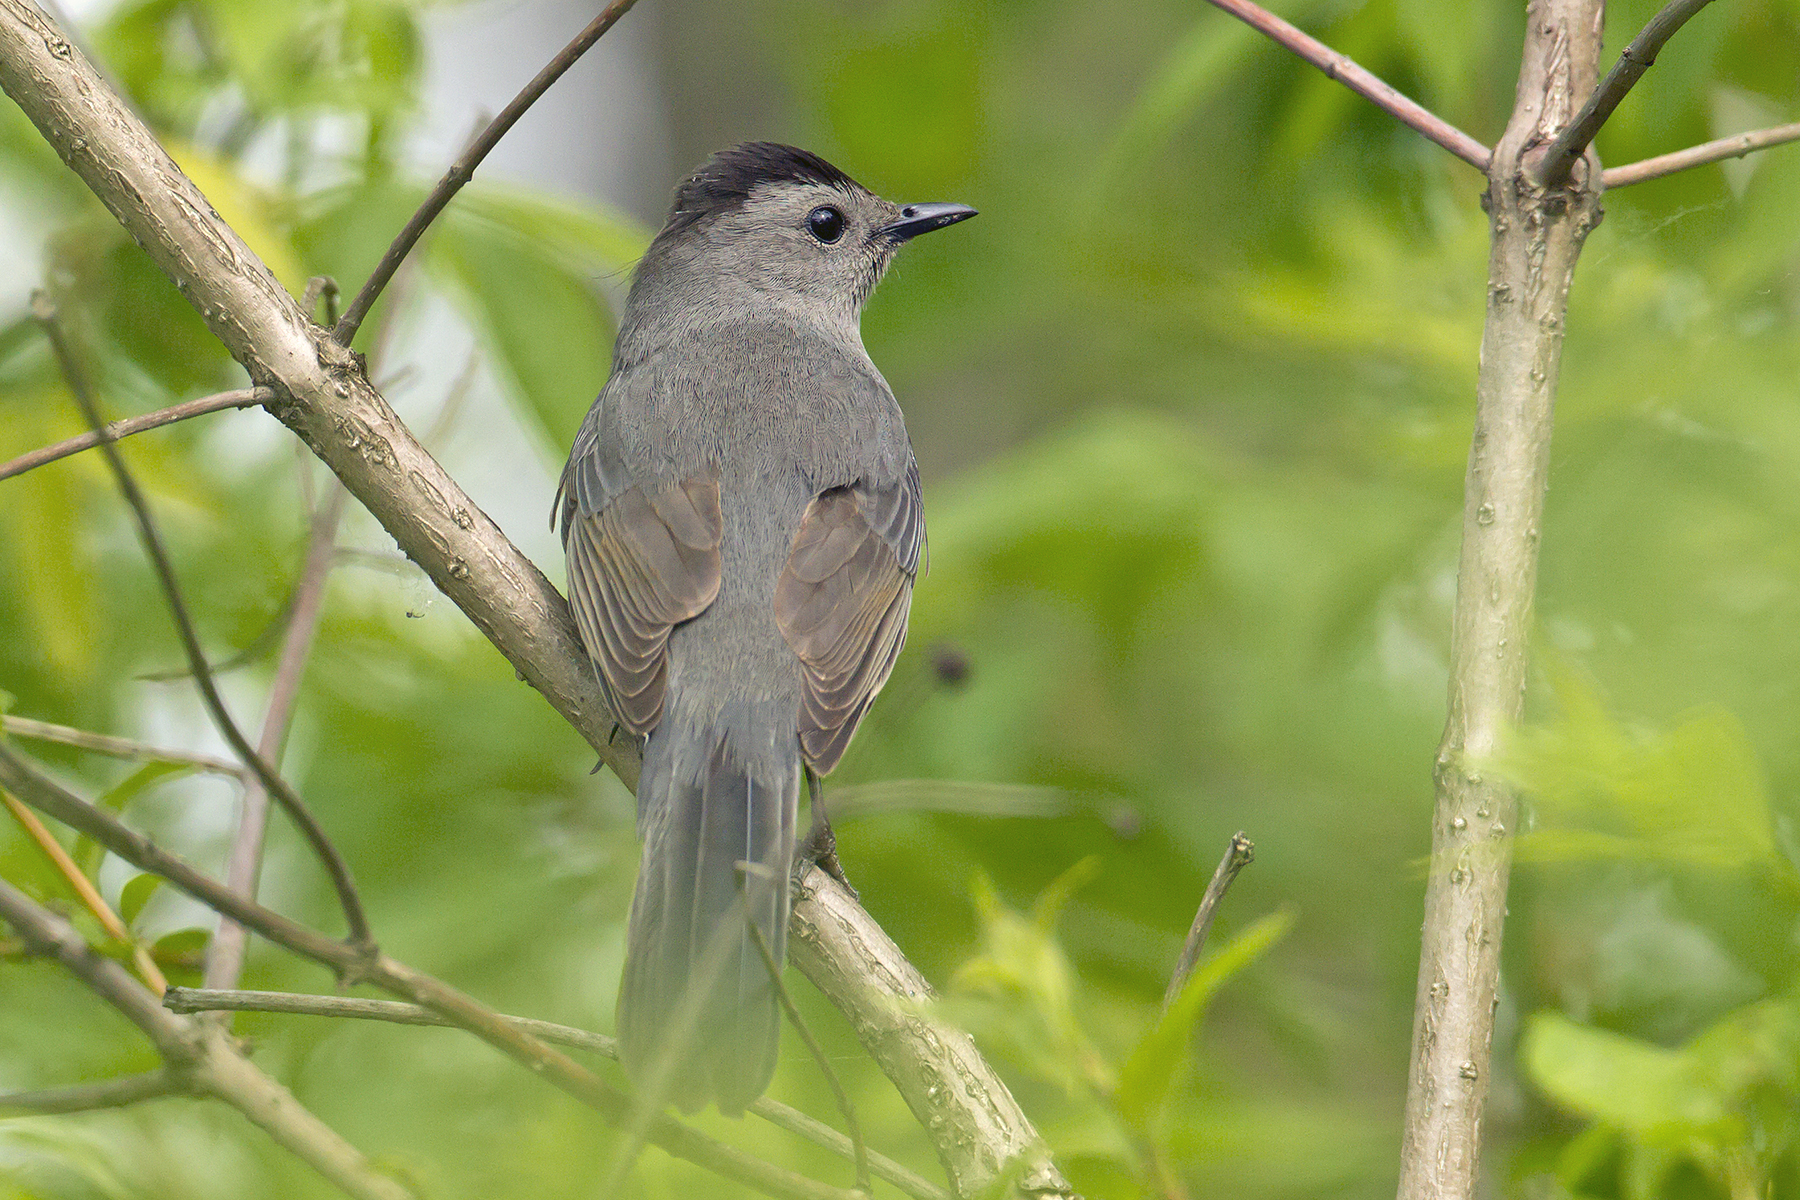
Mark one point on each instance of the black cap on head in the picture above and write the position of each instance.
(726, 179)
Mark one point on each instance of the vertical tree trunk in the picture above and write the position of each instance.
(1536, 239)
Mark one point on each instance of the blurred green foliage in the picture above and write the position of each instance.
(1192, 399)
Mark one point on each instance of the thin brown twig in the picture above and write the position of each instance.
(1735, 146)
(360, 938)
(54, 800)
(463, 169)
(84, 888)
(1358, 79)
(847, 1109)
(225, 953)
(1240, 853)
(126, 426)
(399, 1012)
(1553, 165)
(116, 747)
(86, 1097)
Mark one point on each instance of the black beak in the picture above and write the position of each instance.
(923, 218)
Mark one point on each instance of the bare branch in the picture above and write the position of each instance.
(1735, 146)
(934, 1064)
(126, 426)
(1552, 166)
(117, 747)
(84, 888)
(325, 398)
(225, 952)
(201, 1060)
(463, 169)
(86, 1097)
(1240, 853)
(846, 1108)
(1536, 238)
(191, 1000)
(50, 798)
(1340, 67)
(45, 312)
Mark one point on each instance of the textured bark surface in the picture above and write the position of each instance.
(1536, 239)
(323, 395)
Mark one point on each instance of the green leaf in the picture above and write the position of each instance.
(1150, 1072)
(1693, 794)
(1644, 1089)
(182, 955)
(135, 894)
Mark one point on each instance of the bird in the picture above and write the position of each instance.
(742, 522)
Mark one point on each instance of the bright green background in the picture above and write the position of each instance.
(1192, 401)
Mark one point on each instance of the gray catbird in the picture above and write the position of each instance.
(742, 522)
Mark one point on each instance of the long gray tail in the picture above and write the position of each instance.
(698, 1016)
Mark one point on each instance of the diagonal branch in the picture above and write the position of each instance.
(1551, 170)
(86, 1097)
(190, 1000)
(126, 426)
(225, 952)
(90, 895)
(327, 853)
(463, 169)
(44, 794)
(1340, 67)
(1735, 146)
(1240, 853)
(200, 1061)
(324, 396)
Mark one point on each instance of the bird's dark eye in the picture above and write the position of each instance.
(826, 223)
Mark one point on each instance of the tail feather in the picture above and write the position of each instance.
(698, 1014)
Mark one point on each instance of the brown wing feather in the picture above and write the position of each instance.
(841, 603)
(640, 566)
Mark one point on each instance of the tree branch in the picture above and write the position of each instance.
(936, 1067)
(225, 952)
(90, 895)
(117, 747)
(315, 834)
(126, 426)
(463, 169)
(201, 1060)
(86, 1097)
(1735, 146)
(1551, 168)
(1240, 853)
(1340, 67)
(50, 798)
(1536, 238)
(398, 1012)
(323, 396)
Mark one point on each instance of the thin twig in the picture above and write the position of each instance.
(360, 938)
(54, 800)
(1238, 855)
(117, 747)
(192, 1000)
(86, 1097)
(1552, 167)
(1340, 67)
(201, 1061)
(1735, 146)
(258, 647)
(84, 888)
(126, 426)
(463, 169)
(225, 953)
(851, 1124)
